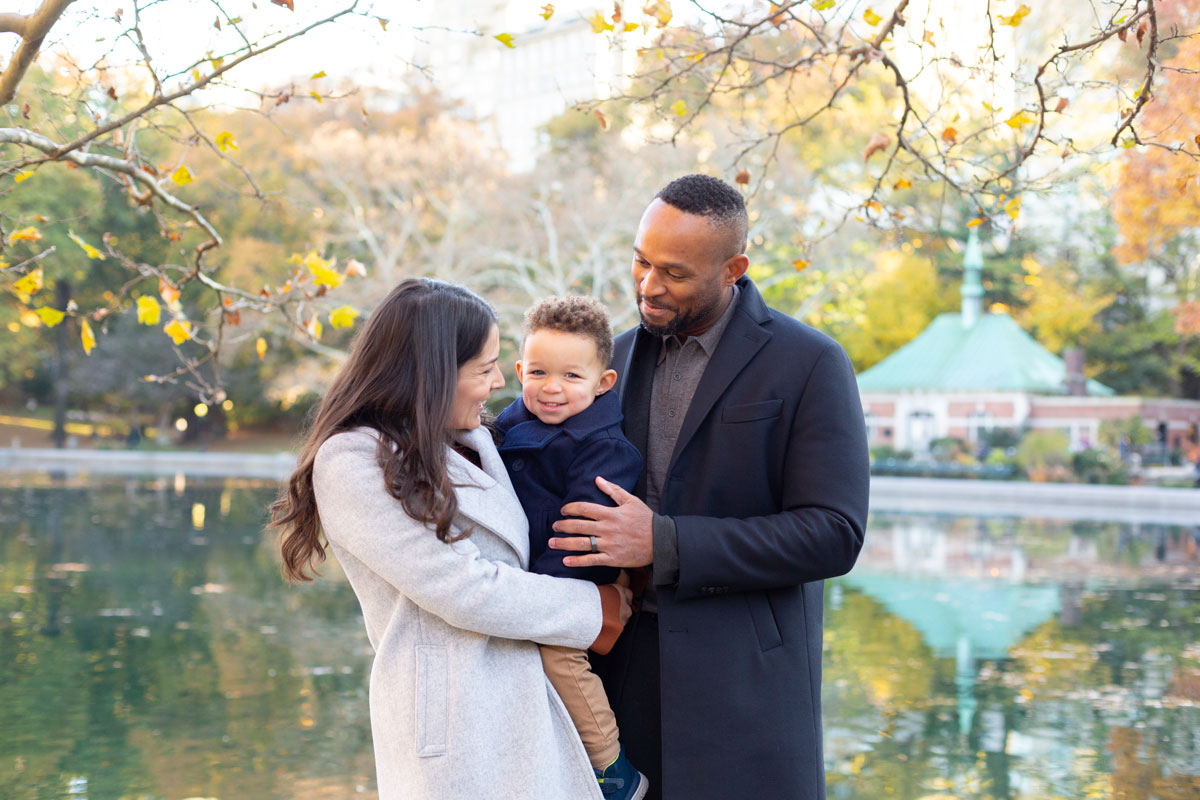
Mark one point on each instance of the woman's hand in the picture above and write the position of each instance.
(625, 611)
(616, 606)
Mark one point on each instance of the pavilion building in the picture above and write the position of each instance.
(970, 372)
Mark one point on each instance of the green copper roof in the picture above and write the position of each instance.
(994, 354)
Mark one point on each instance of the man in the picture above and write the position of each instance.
(754, 492)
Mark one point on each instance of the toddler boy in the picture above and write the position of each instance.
(562, 432)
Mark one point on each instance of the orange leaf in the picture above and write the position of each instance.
(743, 177)
(879, 141)
(950, 136)
(288, 4)
(800, 264)
(169, 293)
(603, 120)
(1062, 104)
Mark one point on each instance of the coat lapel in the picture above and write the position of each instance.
(636, 379)
(744, 337)
(486, 496)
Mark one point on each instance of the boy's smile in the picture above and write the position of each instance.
(561, 374)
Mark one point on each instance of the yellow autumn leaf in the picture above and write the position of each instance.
(631, 26)
(874, 205)
(312, 259)
(314, 327)
(260, 347)
(1015, 19)
(660, 10)
(320, 74)
(179, 330)
(903, 183)
(31, 283)
(4, 264)
(1013, 207)
(23, 175)
(800, 264)
(975, 222)
(30, 234)
(182, 176)
(383, 23)
(599, 23)
(87, 337)
(216, 63)
(316, 97)
(823, 5)
(196, 75)
(547, 11)
(871, 17)
(49, 316)
(149, 312)
(342, 317)
(324, 276)
(88, 250)
(30, 320)
(1020, 118)
(679, 108)
(505, 39)
(225, 141)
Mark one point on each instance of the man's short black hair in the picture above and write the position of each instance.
(711, 198)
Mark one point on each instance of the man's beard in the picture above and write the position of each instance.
(681, 321)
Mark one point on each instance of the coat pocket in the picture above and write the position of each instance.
(433, 664)
(749, 412)
(764, 620)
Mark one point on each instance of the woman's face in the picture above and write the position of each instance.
(477, 379)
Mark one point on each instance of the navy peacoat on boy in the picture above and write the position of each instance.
(552, 465)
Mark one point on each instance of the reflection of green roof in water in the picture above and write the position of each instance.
(994, 354)
(992, 615)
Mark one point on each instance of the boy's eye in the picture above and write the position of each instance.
(572, 375)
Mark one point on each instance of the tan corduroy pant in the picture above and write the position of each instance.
(583, 695)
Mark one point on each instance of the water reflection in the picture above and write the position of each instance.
(1009, 658)
(149, 649)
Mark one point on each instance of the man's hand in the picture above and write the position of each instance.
(624, 534)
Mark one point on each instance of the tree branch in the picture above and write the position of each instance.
(32, 30)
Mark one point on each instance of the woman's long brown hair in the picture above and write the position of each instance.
(400, 379)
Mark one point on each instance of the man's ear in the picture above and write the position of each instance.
(608, 379)
(735, 267)
(520, 371)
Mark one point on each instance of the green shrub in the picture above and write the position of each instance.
(1098, 466)
(1043, 455)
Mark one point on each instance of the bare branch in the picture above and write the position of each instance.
(32, 30)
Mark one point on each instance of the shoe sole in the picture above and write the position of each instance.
(642, 788)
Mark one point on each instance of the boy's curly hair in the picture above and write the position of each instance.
(584, 316)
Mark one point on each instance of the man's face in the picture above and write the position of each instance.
(679, 271)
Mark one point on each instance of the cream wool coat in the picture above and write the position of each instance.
(460, 706)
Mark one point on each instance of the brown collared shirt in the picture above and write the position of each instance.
(681, 365)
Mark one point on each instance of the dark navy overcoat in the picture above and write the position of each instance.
(552, 465)
(768, 488)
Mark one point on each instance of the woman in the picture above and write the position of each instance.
(416, 505)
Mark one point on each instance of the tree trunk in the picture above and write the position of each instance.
(63, 298)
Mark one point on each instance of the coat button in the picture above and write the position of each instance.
(518, 464)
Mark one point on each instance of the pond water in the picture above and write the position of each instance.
(150, 649)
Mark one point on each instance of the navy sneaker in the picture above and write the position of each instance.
(620, 781)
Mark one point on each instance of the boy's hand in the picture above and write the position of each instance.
(624, 534)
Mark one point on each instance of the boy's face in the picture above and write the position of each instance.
(561, 374)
